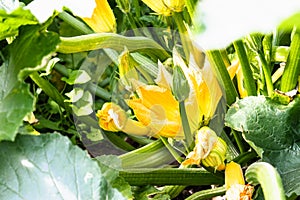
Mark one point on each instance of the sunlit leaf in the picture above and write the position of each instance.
(50, 167)
(14, 106)
(12, 17)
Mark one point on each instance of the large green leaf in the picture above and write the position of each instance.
(275, 129)
(23, 56)
(50, 167)
(13, 108)
(12, 17)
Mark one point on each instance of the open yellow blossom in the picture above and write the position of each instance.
(165, 7)
(103, 19)
(235, 183)
(205, 92)
(157, 110)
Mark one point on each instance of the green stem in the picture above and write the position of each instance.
(50, 90)
(75, 23)
(113, 41)
(246, 69)
(245, 157)
(220, 69)
(267, 176)
(132, 22)
(239, 141)
(136, 6)
(118, 141)
(170, 176)
(154, 154)
(225, 57)
(105, 82)
(173, 190)
(186, 127)
(145, 63)
(100, 92)
(190, 5)
(171, 150)
(292, 69)
(232, 152)
(207, 194)
(186, 42)
(267, 74)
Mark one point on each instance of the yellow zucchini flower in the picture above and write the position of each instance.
(165, 7)
(157, 108)
(205, 92)
(103, 19)
(113, 118)
(235, 183)
(210, 150)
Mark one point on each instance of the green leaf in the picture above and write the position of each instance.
(11, 19)
(50, 167)
(13, 108)
(28, 51)
(33, 40)
(25, 53)
(77, 77)
(275, 129)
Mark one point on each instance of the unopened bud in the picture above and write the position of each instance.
(217, 155)
(127, 68)
(209, 150)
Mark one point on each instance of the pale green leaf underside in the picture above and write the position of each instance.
(50, 167)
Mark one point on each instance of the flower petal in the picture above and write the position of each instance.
(164, 78)
(157, 118)
(233, 175)
(103, 19)
(158, 6)
(151, 95)
(113, 118)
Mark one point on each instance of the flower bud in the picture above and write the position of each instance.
(127, 68)
(209, 150)
(111, 117)
(217, 155)
(181, 88)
